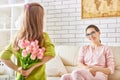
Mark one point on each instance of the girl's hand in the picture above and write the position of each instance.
(25, 73)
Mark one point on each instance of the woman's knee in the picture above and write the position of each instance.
(76, 75)
(78, 72)
(66, 77)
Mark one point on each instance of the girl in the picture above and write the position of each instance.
(31, 29)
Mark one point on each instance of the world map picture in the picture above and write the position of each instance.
(100, 8)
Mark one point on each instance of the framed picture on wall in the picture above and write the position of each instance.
(100, 8)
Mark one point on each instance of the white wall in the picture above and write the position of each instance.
(65, 26)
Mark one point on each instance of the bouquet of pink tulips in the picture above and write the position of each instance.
(30, 53)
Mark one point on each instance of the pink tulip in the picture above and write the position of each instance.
(29, 49)
(21, 44)
(33, 56)
(34, 43)
(35, 49)
(24, 53)
(26, 43)
(39, 55)
(43, 49)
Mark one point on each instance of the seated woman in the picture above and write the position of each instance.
(96, 59)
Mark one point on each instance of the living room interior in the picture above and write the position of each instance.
(65, 22)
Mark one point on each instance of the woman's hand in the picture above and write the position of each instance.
(93, 71)
(106, 71)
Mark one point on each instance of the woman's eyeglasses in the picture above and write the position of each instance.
(92, 33)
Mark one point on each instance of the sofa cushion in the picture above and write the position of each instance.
(55, 67)
(71, 68)
(1, 70)
(115, 76)
(68, 54)
(116, 53)
(53, 78)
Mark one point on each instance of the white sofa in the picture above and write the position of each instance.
(66, 61)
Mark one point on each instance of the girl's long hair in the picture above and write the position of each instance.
(31, 25)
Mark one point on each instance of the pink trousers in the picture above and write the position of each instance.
(83, 74)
